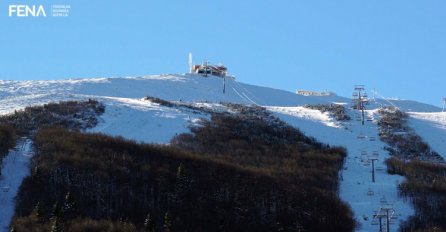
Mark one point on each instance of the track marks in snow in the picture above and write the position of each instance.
(15, 168)
(356, 176)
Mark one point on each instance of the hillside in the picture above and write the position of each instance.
(192, 98)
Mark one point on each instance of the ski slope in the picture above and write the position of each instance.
(144, 121)
(14, 170)
(356, 188)
(432, 128)
(128, 115)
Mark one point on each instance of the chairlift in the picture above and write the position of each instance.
(374, 222)
(5, 189)
(370, 192)
(372, 139)
(383, 200)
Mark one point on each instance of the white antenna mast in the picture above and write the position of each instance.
(444, 104)
(190, 63)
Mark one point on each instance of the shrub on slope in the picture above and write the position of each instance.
(74, 115)
(8, 138)
(424, 169)
(338, 111)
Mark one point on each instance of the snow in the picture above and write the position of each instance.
(126, 115)
(175, 87)
(403, 105)
(357, 180)
(14, 169)
(306, 114)
(144, 121)
(432, 128)
(129, 116)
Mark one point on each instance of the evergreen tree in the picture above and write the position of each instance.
(38, 212)
(148, 224)
(57, 212)
(180, 171)
(182, 185)
(69, 205)
(167, 222)
(56, 226)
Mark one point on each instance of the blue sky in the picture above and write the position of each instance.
(395, 46)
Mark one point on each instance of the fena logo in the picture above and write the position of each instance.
(26, 10)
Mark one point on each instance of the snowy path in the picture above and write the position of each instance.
(357, 187)
(14, 169)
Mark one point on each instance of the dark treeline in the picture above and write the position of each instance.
(75, 115)
(115, 179)
(403, 142)
(425, 186)
(237, 172)
(8, 138)
(424, 169)
(71, 114)
(184, 106)
(268, 144)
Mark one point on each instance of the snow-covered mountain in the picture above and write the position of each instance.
(128, 115)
